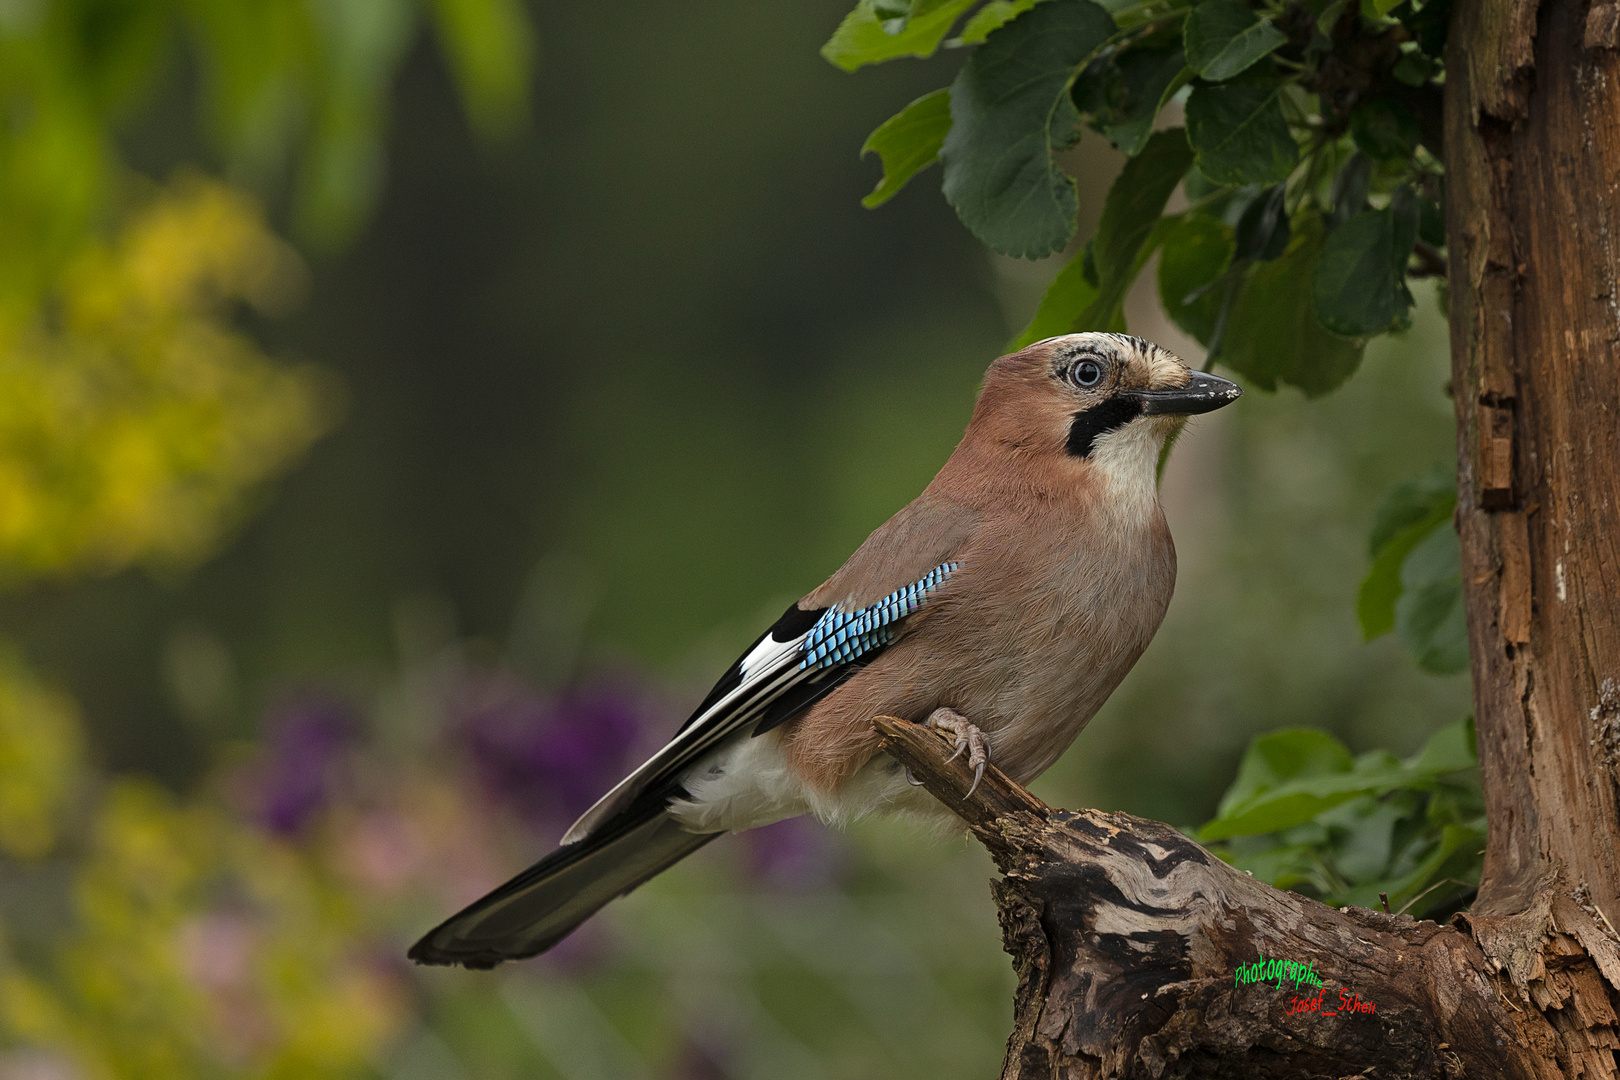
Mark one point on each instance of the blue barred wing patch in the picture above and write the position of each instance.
(839, 637)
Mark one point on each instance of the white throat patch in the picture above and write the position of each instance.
(1128, 458)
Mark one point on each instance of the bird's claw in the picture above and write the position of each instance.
(968, 738)
(912, 780)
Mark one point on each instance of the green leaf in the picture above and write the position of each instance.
(1148, 79)
(891, 12)
(1006, 103)
(1370, 833)
(1327, 20)
(1137, 198)
(1283, 866)
(1454, 855)
(1273, 334)
(1088, 262)
(1428, 25)
(1127, 235)
(1215, 197)
(1285, 755)
(1451, 749)
(1429, 615)
(1414, 69)
(1288, 777)
(993, 16)
(1224, 37)
(1407, 516)
(1385, 130)
(1291, 777)
(1239, 133)
(1349, 191)
(1263, 231)
(1195, 251)
(861, 38)
(1381, 588)
(1291, 804)
(1066, 298)
(1063, 129)
(1426, 500)
(907, 143)
(490, 45)
(1360, 282)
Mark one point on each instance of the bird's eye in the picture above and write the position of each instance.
(1086, 373)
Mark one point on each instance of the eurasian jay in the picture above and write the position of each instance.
(1004, 605)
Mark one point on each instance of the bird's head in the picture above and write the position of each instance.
(1109, 399)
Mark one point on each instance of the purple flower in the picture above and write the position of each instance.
(798, 853)
(586, 948)
(550, 757)
(308, 736)
(700, 1060)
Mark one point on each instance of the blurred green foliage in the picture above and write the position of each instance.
(199, 949)
(135, 417)
(284, 89)
(609, 398)
(42, 763)
(137, 420)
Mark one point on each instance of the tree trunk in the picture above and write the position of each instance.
(1533, 160)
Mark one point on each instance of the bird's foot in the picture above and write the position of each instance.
(968, 738)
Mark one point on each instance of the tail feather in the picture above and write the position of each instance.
(543, 905)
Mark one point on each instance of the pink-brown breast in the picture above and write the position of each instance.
(1060, 590)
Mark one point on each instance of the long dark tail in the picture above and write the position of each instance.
(543, 905)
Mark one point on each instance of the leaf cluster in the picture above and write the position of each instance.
(1307, 157)
(1303, 814)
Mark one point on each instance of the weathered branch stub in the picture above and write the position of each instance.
(1127, 936)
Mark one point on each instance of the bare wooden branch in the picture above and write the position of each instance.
(1128, 939)
(924, 751)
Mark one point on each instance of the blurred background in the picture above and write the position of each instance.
(406, 411)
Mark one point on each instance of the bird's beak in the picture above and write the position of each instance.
(1205, 393)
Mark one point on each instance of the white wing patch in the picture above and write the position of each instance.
(767, 672)
(810, 663)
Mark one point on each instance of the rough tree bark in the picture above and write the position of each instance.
(1126, 935)
(1533, 191)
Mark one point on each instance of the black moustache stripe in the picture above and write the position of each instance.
(1098, 420)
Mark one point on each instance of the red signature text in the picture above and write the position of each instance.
(1348, 1003)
